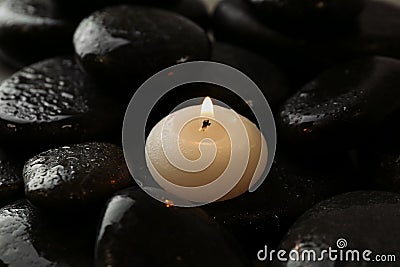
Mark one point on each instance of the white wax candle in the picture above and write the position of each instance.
(205, 153)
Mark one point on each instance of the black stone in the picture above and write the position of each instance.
(31, 238)
(127, 44)
(271, 81)
(295, 183)
(138, 230)
(69, 9)
(265, 74)
(76, 176)
(195, 10)
(305, 51)
(235, 22)
(53, 103)
(195, 93)
(314, 11)
(343, 106)
(377, 32)
(31, 30)
(11, 183)
(365, 219)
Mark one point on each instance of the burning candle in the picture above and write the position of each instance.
(205, 153)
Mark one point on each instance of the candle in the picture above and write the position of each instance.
(205, 153)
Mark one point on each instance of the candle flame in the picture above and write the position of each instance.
(207, 109)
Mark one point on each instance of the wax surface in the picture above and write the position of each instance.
(181, 151)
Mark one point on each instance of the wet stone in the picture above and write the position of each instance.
(306, 51)
(108, 48)
(76, 176)
(364, 219)
(53, 103)
(11, 183)
(195, 10)
(265, 74)
(271, 81)
(344, 105)
(31, 238)
(139, 230)
(68, 8)
(195, 94)
(235, 22)
(31, 30)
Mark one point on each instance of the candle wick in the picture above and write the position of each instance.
(206, 123)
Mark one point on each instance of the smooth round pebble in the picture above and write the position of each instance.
(31, 238)
(31, 30)
(76, 176)
(304, 52)
(271, 81)
(195, 10)
(266, 75)
(138, 230)
(236, 23)
(69, 8)
(344, 105)
(366, 220)
(52, 103)
(195, 94)
(11, 182)
(128, 44)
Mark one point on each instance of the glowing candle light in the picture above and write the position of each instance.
(206, 152)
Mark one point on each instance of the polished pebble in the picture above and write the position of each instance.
(138, 230)
(271, 81)
(31, 30)
(69, 9)
(11, 183)
(365, 220)
(76, 176)
(127, 44)
(235, 22)
(195, 94)
(53, 103)
(31, 238)
(344, 106)
(305, 52)
(195, 10)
